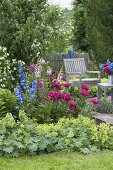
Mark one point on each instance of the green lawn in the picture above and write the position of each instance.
(60, 161)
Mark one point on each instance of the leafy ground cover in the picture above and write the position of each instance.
(60, 161)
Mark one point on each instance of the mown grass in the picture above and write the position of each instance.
(60, 161)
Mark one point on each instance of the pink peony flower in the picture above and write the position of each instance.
(72, 105)
(66, 85)
(106, 70)
(95, 101)
(57, 85)
(84, 93)
(85, 86)
(66, 97)
(53, 95)
(60, 96)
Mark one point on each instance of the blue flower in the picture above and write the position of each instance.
(33, 89)
(18, 93)
(23, 81)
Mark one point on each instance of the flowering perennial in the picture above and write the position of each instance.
(23, 80)
(33, 90)
(107, 67)
(95, 101)
(18, 94)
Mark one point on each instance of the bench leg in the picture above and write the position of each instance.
(98, 92)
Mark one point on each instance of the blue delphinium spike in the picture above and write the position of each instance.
(23, 81)
(33, 89)
(18, 93)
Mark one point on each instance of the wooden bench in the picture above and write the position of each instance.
(76, 67)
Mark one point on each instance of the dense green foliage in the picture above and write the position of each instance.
(79, 23)
(8, 102)
(25, 137)
(99, 28)
(93, 22)
(30, 29)
(60, 161)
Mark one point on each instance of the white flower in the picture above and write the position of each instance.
(38, 74)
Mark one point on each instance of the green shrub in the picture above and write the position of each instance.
(27, 137)
(7, 102)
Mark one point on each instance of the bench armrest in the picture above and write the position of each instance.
(94, 72)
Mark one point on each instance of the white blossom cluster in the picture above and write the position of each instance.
(8, 69)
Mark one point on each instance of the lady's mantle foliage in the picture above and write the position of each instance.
(25, 136)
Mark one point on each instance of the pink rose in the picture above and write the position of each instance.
(66, 85)
(85, 86)
(84, 93)
(95, 101)
(72, 105)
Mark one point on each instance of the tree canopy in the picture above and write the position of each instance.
(30, 27)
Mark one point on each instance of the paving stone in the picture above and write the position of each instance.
(102, 117)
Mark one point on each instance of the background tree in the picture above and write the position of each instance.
(100, 28)
(79, 24)
(31, 27)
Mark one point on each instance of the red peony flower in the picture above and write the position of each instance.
(95, 101)
(85, 86)
(66, 97)
(57, 85)
(72, 105)
(66, 85)
(84, 93)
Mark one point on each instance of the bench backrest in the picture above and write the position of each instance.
(75, 65)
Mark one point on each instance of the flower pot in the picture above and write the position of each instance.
(110, 79)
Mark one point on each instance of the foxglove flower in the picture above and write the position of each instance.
(32, 68)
